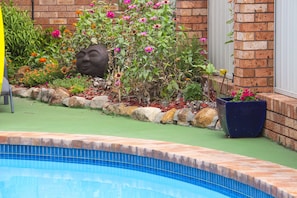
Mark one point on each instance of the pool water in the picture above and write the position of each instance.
(44, 179)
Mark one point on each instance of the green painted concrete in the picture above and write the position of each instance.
(40, 117)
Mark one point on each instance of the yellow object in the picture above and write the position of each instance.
(2, 49)
(223, 72)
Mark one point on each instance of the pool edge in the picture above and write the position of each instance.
(274, 179)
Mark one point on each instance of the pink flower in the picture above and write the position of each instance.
(233, 94)
(117, 50)
(127, 2)
(148, 49)
(149, 3)
(91, 4)
(165, 2)
(202, 52)
(203, 40)
(132, 7)
(157, 5)
(56, 34)
(153, 18)
(110, 14)
(117, 83)
(126, 18)
(142, 20)
(143, 33)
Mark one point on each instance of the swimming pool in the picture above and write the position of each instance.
(188, 163)
(35, 179)
(119, 160)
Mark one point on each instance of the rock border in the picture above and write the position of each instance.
(204, 118)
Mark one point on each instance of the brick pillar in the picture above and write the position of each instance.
(192, 14)
(253, 44)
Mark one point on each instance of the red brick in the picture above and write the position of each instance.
(47, 2)
(264, 72)
(252, 27)
(252, 63)
(264, 54)
(199, 12)
(240, 72)
(57, 8)
(66, 14)
(241, 54)
(65, 2)
(82, 2)
(184, 12)
(48, 14)
(58, 21)
(264, 17)
(201, 26)
(195, 19)
(252, 8)
(264, 36)
(192, 4)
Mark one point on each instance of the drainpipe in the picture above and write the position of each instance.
(32, 4)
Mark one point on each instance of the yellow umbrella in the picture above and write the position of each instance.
(2, 49)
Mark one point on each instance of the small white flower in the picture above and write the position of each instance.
(94, 41)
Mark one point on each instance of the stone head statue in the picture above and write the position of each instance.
(92, 61)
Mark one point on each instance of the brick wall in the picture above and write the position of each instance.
(192, 14)
(55, 13)
(253, 44)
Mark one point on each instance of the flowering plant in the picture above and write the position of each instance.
(243, 95)
(143, 45)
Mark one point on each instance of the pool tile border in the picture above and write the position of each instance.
(274, 179)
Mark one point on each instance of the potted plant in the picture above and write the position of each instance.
(242, 115)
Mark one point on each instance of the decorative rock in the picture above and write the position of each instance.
(27, 93)
(145, 113)
(76, 101)
(206, 117)
(18, 91)
(36, 93)
(65, 102)
(168, 116)
(183, 116)
(158, 117)
(110, 108)
(59, 95)
(98, 102)
(46, 94)
(128, 110)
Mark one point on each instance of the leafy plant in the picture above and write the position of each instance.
(75, 85)
(21, 36)
(193, 91)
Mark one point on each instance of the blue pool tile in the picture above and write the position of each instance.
(145, 164)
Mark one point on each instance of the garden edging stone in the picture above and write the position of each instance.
(205, 118)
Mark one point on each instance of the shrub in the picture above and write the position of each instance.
(21, 36)
(144, 46)
(193, 91)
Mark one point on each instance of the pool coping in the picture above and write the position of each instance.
(274, 179)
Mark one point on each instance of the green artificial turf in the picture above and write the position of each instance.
(35, 116)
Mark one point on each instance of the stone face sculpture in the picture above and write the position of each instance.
(92, 61)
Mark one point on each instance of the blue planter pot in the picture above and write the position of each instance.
(241, 119)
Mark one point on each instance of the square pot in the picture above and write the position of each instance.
(241, 119)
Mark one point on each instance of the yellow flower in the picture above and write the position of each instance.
(223, 72)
